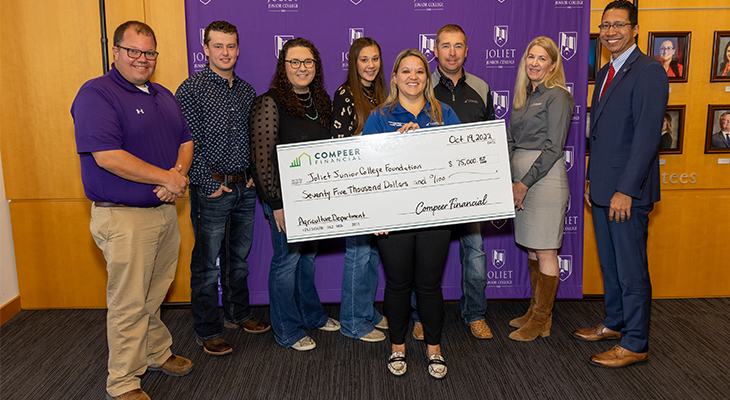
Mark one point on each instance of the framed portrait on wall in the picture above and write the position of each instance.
(718, 129)
(671, 49)
(594, 57)
(673, 130)
(721, 57)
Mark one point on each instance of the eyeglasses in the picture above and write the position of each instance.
(616, 26)
(309, 63)
(666, 48)
(135, 54)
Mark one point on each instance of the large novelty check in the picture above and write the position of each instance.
(391, 181)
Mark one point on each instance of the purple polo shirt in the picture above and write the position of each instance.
(110, 113)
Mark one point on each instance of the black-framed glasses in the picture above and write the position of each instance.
(135, 54)
(309, 63)
(665, 49)
(617, 25)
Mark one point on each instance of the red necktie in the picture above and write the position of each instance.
(611, 73)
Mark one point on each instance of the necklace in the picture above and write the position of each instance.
(308, 103)
(367, 93)
(315, 112)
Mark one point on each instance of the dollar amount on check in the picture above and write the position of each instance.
(388, 182)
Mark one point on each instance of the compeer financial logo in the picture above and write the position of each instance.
(499, 223)
(328, 157)
(298, 160)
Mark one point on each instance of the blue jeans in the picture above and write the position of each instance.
(473, 302)
(222, 225)
(359, 284)
(293, 299)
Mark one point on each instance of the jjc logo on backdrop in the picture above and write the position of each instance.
(497, 38)
(279, 41)
(426, 42)
(500, 35)
(568, 41)
(501, 101)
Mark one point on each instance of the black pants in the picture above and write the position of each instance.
(414, 258)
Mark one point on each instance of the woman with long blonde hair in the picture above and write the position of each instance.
(538, 127)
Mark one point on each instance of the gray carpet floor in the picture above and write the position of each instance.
(61, 354)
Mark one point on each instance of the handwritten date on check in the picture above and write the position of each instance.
(392, 181)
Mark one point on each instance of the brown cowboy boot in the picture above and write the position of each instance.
(534, 267)
(542, 314)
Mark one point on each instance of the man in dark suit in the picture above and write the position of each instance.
(721, 139)
(627, 113)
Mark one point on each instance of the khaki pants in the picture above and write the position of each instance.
(141, 247)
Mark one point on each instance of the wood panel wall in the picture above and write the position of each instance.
(51, 48)
(56, 47)
(686, 226)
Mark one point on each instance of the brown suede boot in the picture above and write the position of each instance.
(534, 267)
(542, 314)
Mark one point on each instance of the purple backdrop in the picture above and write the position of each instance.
(498, 32)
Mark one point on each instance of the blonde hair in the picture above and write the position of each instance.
(436, 114)
(554, 78)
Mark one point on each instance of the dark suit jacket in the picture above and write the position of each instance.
(718, 141)
(626, 128)
(666, 141)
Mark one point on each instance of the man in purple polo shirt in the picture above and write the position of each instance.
(135, 150)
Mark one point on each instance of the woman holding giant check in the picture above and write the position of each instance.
(413, 257)
(538, 127)
(295, 109)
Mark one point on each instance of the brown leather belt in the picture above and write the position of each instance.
(241, 177)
